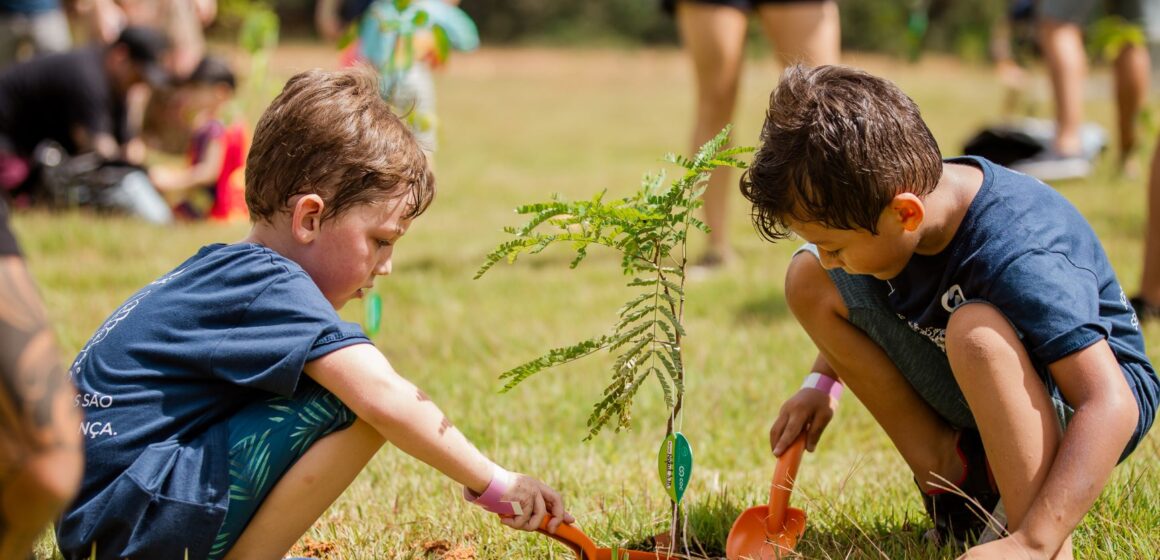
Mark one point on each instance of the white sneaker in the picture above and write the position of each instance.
(1049, 166)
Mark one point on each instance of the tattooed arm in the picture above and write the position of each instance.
(40, 450)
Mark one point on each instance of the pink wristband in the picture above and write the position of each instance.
(823, 383)
(501, 481)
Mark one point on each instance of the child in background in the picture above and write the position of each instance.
(226, 404)
(970, 308)
(210, 186)
(405, 53)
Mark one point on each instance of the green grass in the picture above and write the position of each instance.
(516, 127)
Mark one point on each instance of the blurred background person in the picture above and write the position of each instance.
(210, 184)
(32, 27)
(1060, 30)
(40, 444)
(1146, 302)
(713, 34)
(58, 107)
(412, 91)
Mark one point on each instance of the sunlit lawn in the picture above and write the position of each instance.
(518, 126)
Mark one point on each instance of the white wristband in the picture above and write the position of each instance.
(823, 383)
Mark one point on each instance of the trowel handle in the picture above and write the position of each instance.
(782, 485)
(571, 537)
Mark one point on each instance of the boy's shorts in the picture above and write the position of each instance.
(266, 438)
(924, 365)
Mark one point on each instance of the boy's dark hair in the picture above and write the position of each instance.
(837, 145)
(331, 134)
(212, 70)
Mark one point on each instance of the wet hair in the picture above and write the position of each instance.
(837, 146)
(211, 71)
(331, 134)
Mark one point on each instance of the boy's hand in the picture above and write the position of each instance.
(536, 500)
(808, 409)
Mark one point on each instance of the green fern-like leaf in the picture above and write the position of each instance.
(673, 321)
(665, 387)
(649, 228)
(628, 360)
(633, 303)
(554, 357)
(633, 317)
(671, 286)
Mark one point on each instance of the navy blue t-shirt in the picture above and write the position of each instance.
(28, 6)
(233, 325)
(1025, 249)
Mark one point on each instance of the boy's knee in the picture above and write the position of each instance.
(976, 330)
(809, 289)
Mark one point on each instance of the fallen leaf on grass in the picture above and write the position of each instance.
(446, 551)
(311, 548)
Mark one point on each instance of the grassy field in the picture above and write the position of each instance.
(518, 126)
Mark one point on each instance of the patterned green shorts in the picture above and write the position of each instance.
(265, 439)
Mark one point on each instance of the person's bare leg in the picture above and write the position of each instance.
(714, 37)
(301, 496)
(1150, 281)
(925, 441)
(1015, 415)
(1062, 45)
(1133, 74)
(806, 32)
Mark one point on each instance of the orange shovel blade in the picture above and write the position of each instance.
(750, 538)
(771, 531)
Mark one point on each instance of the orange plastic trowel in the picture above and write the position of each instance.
(771, 532)
(579, 543)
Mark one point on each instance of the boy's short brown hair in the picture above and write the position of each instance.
(331, 134)
(837, 145)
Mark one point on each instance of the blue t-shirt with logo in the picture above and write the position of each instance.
(1025, 249)
(233, 325)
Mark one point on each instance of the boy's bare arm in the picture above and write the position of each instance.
(201, 174)
(362, 378)
(1106, 414)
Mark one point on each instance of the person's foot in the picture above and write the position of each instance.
(963, 510)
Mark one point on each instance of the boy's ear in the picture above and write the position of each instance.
(909, 210)
(306, 218)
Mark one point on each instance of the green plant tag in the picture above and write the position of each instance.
(374, 314)
(675, 465)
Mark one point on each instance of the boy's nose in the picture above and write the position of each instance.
(830, 262)
(384, 267)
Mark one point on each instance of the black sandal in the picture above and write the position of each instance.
(963, 511)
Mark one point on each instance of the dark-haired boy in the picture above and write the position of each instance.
(226, 403)
(966, 305)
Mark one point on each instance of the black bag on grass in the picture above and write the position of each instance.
(1004, 144)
